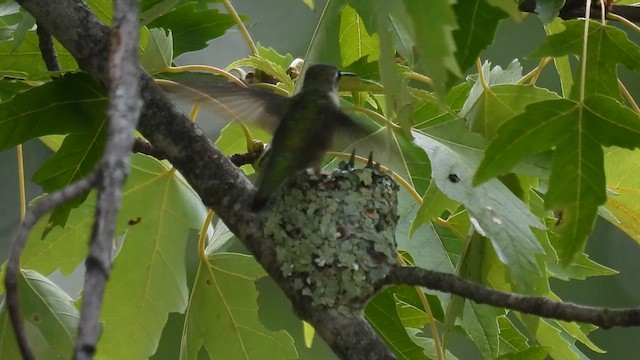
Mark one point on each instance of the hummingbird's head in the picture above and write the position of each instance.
(322, 77)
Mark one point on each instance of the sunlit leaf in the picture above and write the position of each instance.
(223, 313)
(622, 168)
(355, 42)
(26, 62)
(148, 280)
(284, 61)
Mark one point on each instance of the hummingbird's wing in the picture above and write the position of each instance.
(233, 102)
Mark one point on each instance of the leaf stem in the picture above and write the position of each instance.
(21, 186)
(411, 75)
(205, 68)
(374, 115)
(627, 95)
(429, 313)
(535, 73)
(243, 29)
(583, 63)
(202, 240)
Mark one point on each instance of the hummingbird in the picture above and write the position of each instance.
(303, 125)
(305, 132)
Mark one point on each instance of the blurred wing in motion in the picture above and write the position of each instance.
(230, 101)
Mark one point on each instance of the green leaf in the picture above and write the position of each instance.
(268, 67)
(26, 62)
(548, 9)
(25, 24)
(386, 322)
(577, 332)
(10, 87)
(355, 41)
(562, 64)
(622, 168)
(224, 290)
(577, 181)
(427, 344)
(434, 203)
(77, 156)
(158, 54)
(607, 47)
(437, 50)
(284, 61)
(511, 339)
(192, 28)
(151, 10)
(508, 6)
(103, 9)
(532, 353)
(72, 104)
(550, 337)
(148, 280)
(8, 346)
(483, 18)
(480, 323)
(499, 103)
(494, 211)
(50, 309)
(50, 319)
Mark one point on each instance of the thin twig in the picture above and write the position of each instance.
(13, 264)
(124, 110)
(142, 146)
(534, 305)
(48, 52)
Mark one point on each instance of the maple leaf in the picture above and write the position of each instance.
(577, 131)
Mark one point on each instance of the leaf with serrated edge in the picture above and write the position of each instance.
(158, 55)
(483, 20)
(355, 42)
(437, 50)
(607, 47)
(224, 291)
(577, 181)
(623, 176)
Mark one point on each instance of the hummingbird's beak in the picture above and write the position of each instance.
(346, 73)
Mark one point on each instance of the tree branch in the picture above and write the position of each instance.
(48, 52)
(534, 305)
(124, 110)
(11, 279)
